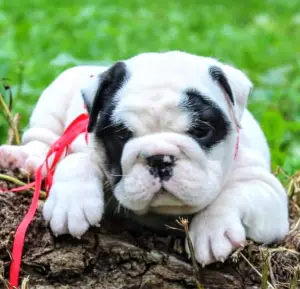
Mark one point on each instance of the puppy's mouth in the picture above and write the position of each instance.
(166, 203)
(163, 197)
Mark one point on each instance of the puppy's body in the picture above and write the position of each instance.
(164, 131)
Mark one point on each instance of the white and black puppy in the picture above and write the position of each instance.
(165, 132)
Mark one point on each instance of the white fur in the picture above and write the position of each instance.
(253, 203)
(76, 198)
(234, 198)
(148, 105)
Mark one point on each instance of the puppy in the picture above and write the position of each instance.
(171, 133)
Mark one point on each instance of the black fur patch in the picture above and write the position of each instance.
(209, 124)
(109, 83)
(218, 75)
(112, 136)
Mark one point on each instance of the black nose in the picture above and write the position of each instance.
(161, 166)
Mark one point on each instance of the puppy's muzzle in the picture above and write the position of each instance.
(161, 166)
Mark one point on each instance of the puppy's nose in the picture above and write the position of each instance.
(161, 166)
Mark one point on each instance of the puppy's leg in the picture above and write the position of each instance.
(47, 122)
(25, 157)
(44, 129)
(252, 204)
(76, 199)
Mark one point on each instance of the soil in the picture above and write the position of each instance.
(118, 255)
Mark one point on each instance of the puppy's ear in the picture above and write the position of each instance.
(235, 84)
(101, 90)
(89, 90)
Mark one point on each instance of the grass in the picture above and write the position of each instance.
(41, 38)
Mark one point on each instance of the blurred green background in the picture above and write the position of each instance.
(41, 38)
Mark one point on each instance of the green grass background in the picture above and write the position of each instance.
(41, 38)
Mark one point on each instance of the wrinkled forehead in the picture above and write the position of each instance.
(159, 82)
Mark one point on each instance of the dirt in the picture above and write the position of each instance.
(119, 255)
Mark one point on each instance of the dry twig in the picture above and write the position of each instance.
(16, 181)
(198, 274)
(293, 188)
(10, 118)
(11, 134)
(25, 283)
(295, 279)
(255, 270)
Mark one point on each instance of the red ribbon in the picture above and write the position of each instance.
(61, 146)
(237, 144)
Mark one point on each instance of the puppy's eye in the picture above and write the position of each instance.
(202, 132)
(125, 134)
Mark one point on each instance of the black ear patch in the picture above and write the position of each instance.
(218, 75)
(109, 83)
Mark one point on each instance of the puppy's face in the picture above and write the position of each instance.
(166, 124)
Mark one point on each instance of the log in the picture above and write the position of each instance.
(116, 255)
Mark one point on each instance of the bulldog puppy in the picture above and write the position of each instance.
(171, 133)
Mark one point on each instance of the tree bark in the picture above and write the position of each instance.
(110, 257)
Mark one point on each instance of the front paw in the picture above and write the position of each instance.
(72, 207)
(215, 235)
(19, 157)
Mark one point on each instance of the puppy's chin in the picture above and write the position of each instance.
(167, 204)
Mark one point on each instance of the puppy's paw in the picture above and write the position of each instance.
(74, 206)
(19, 157)
(214, 235)
(12, 157)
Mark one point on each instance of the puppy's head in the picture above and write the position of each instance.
(166, 124)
